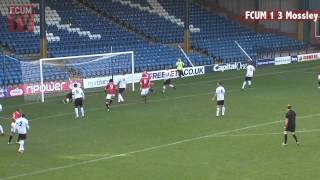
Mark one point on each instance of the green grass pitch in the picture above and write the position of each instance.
(176, 136)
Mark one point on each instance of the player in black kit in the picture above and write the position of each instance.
(290, 125)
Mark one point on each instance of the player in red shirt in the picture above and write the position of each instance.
(144, 87)
(146, 75)
(15, 116)
(111, 90)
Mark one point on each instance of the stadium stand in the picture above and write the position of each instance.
(73, 29)
(210, 32)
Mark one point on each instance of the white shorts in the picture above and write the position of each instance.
(109, 96)
(144, 91)
(13, 125)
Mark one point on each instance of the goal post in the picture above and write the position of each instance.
(91, 71)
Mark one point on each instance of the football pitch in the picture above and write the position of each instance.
(176, 135)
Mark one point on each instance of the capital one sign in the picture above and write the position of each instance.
(20, 18)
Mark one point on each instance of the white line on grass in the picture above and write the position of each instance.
(262, 134)
(218, 134)
(185, 84)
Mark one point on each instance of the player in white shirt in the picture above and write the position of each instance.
(249, 74)
(167, 81)
(219, 96)
(78, 97)
(1, 128)
(22, 127)
(122, 84)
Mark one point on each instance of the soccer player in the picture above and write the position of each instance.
(249, 74)
(122, 84)
(144, 87)
(1, 128)
(167, 81)
(180, 65)
(219, 96)
(145, 74)
(22, 127)
(15, 115)
(290, 125)
(78, 97)
(110, 90)
(67, 98)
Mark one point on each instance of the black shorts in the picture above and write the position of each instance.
(180, 72)
(78, 102)
(22, 136)
(69, 95)
(167, 82)
(121, 90)
(248, 78)
(220, 103)
(291, 128)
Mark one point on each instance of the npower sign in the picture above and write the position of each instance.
(226, 67)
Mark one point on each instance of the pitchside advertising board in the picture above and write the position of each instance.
(282, 60)
(155, 75)
(36, 88)
(308, 57)
(226, 67)
(20, 18)
(264, 62)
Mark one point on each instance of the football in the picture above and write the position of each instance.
(67, 100)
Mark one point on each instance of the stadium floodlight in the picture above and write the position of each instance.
(74, 68)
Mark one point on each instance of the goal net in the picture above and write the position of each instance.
(58, 75)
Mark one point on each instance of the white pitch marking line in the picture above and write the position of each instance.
(262, 134)
(218, 134)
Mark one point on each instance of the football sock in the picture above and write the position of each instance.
(10, 138)
(319, 83)
(21, 147)
(295, 138)
(110, 102)
(218, 111)
(18, 139)
(82, 111)
(1, 130)
(120, 98)
(171, 85)
(285, 138)
(223, 110)
(249, 83)
(77, 112)
(163, 88)
(244, 84)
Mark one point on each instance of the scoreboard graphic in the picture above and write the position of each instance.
(20, 18)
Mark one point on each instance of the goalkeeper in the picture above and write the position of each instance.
(180, 65)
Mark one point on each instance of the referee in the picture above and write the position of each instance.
(290, 125)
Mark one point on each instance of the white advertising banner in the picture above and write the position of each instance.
(308, 57)
(155, 75)
(282, 60)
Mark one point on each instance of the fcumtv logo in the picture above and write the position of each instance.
(20, 18)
